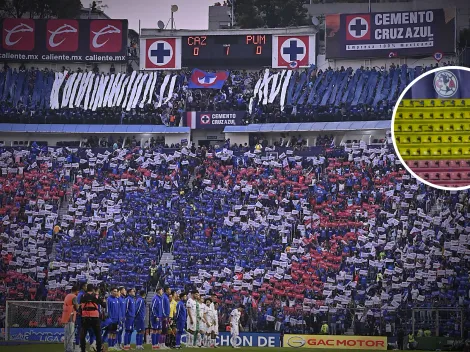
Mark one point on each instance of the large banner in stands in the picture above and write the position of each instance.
(336, 342)
(443, 84)
(63, 40)
(214, 119)
(390, 34)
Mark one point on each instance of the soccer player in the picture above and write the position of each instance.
(203, 324)
(113, 309)
(209, 322)
(156, 318)
(166, 316)
(139, 323)
(235, 325)
(130, 317)
(78, 320)
(213, 320)
(192, 321)
(180, 317)
(122, 317)
(173, 302)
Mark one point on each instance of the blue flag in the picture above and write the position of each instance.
(450, 84)
(212, 80)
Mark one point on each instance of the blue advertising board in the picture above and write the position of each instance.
(390, 34)
(56, 335)
(214, 120)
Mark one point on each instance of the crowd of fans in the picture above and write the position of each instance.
(344, 236)
(312, 95)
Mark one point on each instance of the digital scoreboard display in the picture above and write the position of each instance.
(227, 51)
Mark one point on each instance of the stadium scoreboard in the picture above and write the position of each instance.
(219, 51)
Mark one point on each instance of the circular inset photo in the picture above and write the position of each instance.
(431, 128)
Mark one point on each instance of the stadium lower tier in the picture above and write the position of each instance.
(341, 237)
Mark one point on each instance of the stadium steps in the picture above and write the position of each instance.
(149, 298)
(167, 258)
(191, 179)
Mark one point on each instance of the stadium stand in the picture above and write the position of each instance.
(312, 95)
(287, 235)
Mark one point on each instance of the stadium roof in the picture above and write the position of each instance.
(155, 32)
(310, 126)
(59, 128)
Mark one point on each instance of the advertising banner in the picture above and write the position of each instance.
(214, 120)
(390, 34)
(248, 339)
(56, 335)
(63, 40)
(336, 342)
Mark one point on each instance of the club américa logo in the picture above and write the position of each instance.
(445, 83)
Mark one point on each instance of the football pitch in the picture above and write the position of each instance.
(60, 348)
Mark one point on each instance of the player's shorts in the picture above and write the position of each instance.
(190, 326)
(139, 324)
(113, 327)
(202, 327)
(165, 325)
(180, 327)
(155, 324)
(234, 331)
(211, 329)
(129, 324)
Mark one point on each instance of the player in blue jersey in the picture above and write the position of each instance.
(78, 319)
(156, 318)
(130, 317)
(112, 321)
(139, 322)
(122, 317)
(166, 316)
(180, 317)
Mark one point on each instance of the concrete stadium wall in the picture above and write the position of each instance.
(52, 139)
(323, 63)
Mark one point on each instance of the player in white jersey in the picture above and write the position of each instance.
(203, 323)
(191, 322)
(235, 325)
(213, 320)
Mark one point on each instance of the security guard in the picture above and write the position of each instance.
(427, 333)
(324, 328)
(90, 317)
(169, 240)
(420, 333)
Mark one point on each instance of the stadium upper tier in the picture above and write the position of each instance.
(42, 96)
(343, 230)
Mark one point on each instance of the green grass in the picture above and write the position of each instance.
(60, 348)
